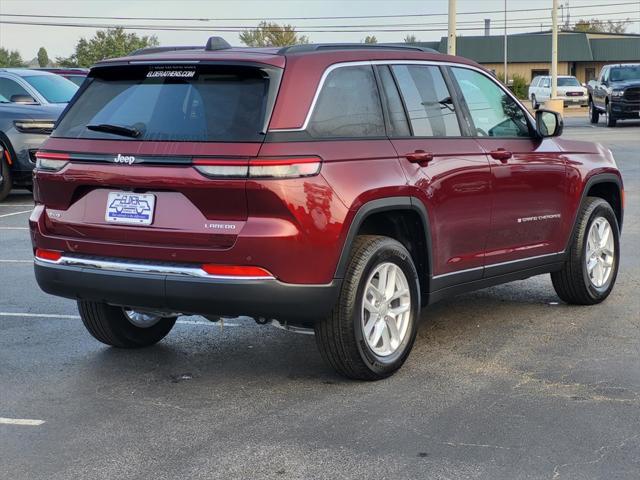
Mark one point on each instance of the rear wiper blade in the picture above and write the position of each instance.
(115, 129)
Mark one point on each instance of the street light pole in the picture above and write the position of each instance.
(451, 43)
(506, 76)
(554, 51)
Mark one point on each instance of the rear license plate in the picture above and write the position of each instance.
(130, 208)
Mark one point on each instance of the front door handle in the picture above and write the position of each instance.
(420, 157)
(501, 154)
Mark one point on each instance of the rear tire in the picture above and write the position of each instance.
(5, 177)
(574, 283)
(111, 326)
(594, 114)
(611, 119)
(357, 342)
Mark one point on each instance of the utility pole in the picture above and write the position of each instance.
(554, 51)
(506, 76)
(451, 42)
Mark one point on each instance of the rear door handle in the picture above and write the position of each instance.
(420, 157)
(501, 154)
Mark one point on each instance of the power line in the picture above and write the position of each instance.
(346, 17)
(479, 23)
(191, 28)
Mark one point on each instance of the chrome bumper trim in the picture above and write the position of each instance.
(147, 268)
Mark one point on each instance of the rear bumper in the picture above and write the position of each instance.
(269, 298)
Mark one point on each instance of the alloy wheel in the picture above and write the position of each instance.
(386, 309)
(600, 256)
(142, 319)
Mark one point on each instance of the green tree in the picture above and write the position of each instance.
(410, 39)
(269, 34)
(43, 57)
(370, 39)
(110, 43)
(600, 26)
(10, 58)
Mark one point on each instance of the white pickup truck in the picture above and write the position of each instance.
(569, 89)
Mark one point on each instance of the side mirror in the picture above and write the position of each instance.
(22, 99)
(549, 123)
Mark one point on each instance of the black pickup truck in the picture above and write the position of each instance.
(615, 93)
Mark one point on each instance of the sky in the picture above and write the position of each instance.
(61, 40)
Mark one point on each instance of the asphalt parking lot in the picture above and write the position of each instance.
(505, 383)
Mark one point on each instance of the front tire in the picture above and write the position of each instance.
(591, 268)
(611, 119)
(594, 114)
(370, 332)
(534, 104)
(5, 177)
(117, 327)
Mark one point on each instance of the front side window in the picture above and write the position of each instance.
(9, 89)
(348, 105)
(493, 112)
(54, 88)
(429, 104)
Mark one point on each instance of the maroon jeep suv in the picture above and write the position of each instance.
(334, 187)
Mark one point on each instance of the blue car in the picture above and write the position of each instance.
(30, 103)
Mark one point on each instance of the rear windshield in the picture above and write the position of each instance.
(53, 88)
(568, 82)
(226, 104)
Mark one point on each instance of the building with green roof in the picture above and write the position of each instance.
(529, 54)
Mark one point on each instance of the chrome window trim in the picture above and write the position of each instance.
(132, 267)
(335, 66)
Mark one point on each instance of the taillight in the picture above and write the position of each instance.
(235, 271)
(277, 167)
(48, 255)
(213, 167)
(284, 167)
(51, 161)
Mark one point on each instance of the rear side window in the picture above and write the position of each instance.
(348, 105)
(398, 125)
(429, 104)
(226, 104)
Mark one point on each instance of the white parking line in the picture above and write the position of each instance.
(16, 261)
(14, 213)
(14, 228)
(204, 323)
(9, 205)
(38, 315)
(21, 421)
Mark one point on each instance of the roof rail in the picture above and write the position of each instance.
(146, 50)
(217, 43)
(314, 47)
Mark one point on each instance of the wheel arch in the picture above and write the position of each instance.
(403, 218)
(607, 186)
(5, 143)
